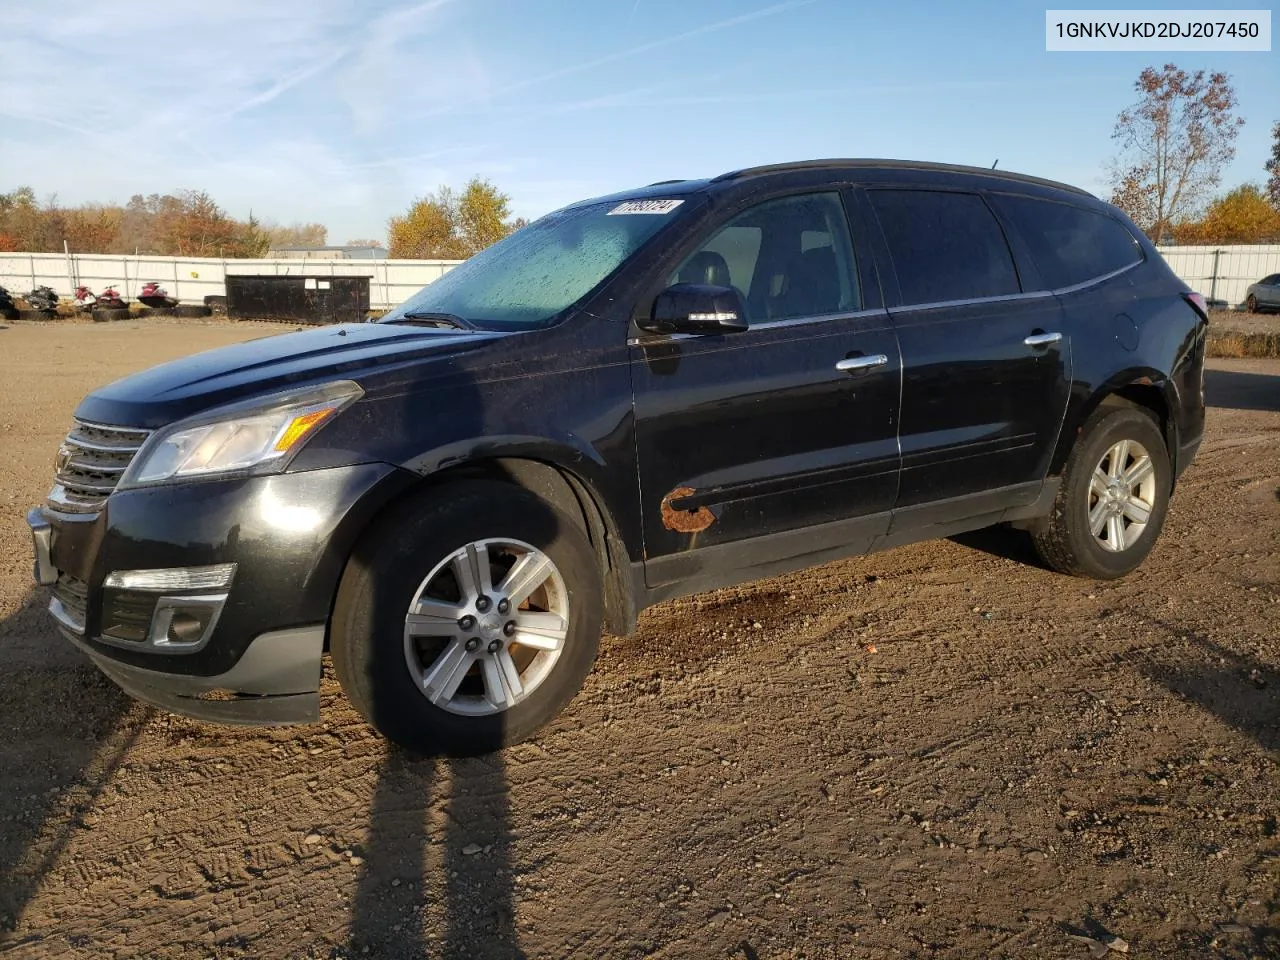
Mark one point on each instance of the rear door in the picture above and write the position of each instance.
(986, 367)
(757, 436)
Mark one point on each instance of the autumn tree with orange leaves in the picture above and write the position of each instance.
(1241, 216)
(447, 225)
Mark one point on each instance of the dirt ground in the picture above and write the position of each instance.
(941, 751)
(1244, 321)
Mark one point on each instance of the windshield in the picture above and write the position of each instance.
(541, 270)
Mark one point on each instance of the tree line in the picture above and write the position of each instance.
(186, 224)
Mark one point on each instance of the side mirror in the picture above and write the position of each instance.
(696, 308)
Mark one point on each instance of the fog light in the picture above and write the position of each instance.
(187, 627)
(184, 624)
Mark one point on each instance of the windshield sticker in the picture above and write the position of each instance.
(659, 207)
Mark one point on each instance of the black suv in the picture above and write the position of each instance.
(638, 397)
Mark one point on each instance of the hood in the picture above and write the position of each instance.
(191, 385)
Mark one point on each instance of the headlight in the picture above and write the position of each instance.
(258, 436)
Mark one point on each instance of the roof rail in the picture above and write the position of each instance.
(838, 164)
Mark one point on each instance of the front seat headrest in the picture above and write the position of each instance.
(705, 266)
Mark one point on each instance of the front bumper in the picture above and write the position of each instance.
(288, 537)
(276, 681)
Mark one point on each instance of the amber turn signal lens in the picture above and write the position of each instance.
(299, 427)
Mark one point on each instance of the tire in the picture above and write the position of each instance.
(191, 310)
(146, 311)
(1251, 304)
(109, 314)
(41, 315)
(1065, 540)
(388, 675)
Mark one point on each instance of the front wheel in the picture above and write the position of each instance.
(1112, 502)
(1251, 304)
(467, 621)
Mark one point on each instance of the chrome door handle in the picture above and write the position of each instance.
(1042, 339)
(854, 364)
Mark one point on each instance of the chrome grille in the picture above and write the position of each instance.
(90, 463)
(73, 594)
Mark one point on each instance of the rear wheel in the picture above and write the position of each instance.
(1114, 495)
(466, 622)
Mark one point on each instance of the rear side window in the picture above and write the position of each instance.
(1070, 245)
(945, 246)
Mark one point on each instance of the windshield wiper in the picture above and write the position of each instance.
(425, 318)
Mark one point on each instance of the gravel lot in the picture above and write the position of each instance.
(940, 751)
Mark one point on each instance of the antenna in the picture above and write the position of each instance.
(993, 166)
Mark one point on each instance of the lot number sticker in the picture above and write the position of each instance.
(659, 207)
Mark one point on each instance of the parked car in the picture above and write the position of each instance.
(665, 391)
(1264, 295)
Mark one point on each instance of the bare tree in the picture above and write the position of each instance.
(1174, 142)
(1273, 168)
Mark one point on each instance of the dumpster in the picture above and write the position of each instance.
(303, 299)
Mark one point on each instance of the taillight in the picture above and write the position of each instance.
(1197, 301)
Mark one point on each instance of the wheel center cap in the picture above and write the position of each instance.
(491, 626)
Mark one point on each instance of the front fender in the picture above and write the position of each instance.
(567, 450)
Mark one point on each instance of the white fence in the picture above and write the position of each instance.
(1222, 273)
(191, 279)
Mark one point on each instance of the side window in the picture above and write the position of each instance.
(945, 246)
(1070, 244)
(788, 258)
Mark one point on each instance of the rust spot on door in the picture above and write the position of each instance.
(684, 521)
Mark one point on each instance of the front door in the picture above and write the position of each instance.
(746, 440)
(986, 368)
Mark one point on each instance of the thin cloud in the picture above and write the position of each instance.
(276, 89)
(787, 96)
(51, 121)
(405, 14)
(636, 51)
(420, 157)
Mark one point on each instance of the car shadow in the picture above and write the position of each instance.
(1002, 541)
(1239, 390)
(1242, 692)
(65, 729)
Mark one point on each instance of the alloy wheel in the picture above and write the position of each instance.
(1122, 494)
(486, 627)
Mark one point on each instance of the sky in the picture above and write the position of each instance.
(344, 111)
